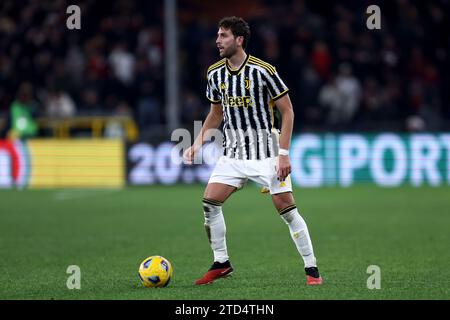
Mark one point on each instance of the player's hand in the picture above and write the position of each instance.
(284, 167)
(188, 155)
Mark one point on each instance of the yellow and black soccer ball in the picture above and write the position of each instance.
(155, 271)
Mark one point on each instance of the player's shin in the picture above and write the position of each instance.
(299, 233)
(215, 229)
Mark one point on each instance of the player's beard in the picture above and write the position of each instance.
(229, 52)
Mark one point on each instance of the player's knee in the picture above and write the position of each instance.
(283, 200)
(211, 208)
(282, 206)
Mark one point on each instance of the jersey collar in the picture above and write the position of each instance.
(237, 71)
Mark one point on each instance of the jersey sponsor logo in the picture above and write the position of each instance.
(238, 101)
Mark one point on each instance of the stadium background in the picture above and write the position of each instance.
(371, 111)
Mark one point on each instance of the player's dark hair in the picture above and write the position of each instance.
(238, 27)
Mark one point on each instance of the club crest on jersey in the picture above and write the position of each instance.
(223, 86)
(247, 83)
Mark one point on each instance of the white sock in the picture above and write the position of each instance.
(299, 234)
(215, 229)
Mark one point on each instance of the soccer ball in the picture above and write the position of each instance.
(155, 271)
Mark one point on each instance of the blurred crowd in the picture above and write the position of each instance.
(342, 75)
(111, 66)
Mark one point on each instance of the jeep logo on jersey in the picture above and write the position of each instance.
(240, 101)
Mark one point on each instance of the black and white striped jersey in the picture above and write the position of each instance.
(247, 96)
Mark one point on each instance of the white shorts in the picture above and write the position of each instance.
(236, 172)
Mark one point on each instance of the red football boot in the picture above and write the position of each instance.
(218, 270)
(313, 276)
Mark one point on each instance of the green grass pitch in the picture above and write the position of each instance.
(107, 233)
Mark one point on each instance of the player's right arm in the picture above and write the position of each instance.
(212, 121)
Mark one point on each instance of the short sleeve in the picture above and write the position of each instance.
(212, 94)
(277, 88)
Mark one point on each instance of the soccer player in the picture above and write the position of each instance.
(243, 90)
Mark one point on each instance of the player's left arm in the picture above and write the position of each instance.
(284, 105)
